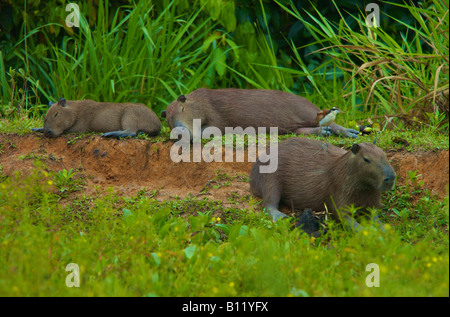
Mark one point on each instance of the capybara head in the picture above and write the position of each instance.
(371, 168)
(58, 119)
(181, 113)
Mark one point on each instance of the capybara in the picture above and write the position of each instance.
(116, 119)
(249, 108)
(309, 177)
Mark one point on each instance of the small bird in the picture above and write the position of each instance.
(326, 117)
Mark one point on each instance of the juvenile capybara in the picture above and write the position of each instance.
(310, 177)
(249, 108)
(116, 119)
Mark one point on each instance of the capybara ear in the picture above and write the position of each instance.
(355, 148)
(181, 98)
(163, 114)
(62, 102)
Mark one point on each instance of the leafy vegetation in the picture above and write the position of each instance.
(404, 79)
(395, 76)
(197, 247)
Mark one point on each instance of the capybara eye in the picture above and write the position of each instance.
(56, 114)
(366, 160)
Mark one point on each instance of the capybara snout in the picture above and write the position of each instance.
(57, 119)
(180, 114)
(373, 166)
(49, 133)
(389, 180)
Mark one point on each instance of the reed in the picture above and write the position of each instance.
(407, 78)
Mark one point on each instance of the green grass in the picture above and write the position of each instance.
(138, 246)
(411, 202)
(20, 124)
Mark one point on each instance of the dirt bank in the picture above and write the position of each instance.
(132, 165)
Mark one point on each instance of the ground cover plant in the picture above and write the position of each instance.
(151, 243)
(137, 246)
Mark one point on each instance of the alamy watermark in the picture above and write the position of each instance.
(373, 18)
(73, 18)
(73, 279)
(373, 278)
(254, 149)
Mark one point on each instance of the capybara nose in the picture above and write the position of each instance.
(178, 124)
(182, 129)
(389, 180)
(49, 133)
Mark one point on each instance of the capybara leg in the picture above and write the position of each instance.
(376, 219)
(118, 134)
(315, 130)
(271, 200)
(38, 130)
(341, 131)
(352, 224)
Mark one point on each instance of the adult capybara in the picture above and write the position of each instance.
(248, 108)
(116, 119)
(310, 177)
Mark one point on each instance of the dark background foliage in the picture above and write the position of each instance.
(15, 21)
(32, 32)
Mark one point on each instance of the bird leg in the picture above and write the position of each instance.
(324, 145)
(326, 142)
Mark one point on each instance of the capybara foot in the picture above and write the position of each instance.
(350, 133)
(325, 131)
(275, 213)
(118, 134)
(353, 225)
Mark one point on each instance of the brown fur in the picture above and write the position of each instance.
(309, 177)
(248, 108)
(87, 115)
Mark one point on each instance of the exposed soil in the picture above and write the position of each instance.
(134, 164)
